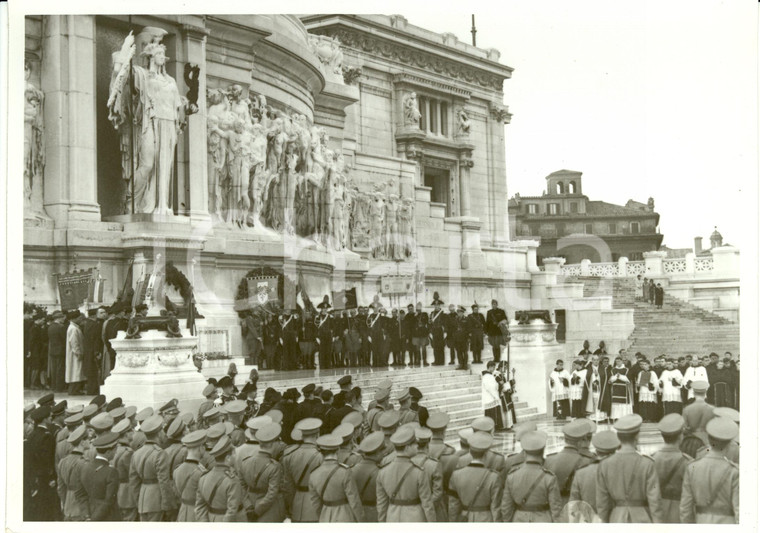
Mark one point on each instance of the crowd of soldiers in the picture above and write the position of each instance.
(240, 461)
(370, 336)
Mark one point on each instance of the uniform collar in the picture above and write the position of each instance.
(192, 461)
(533, 460)
(265, 453)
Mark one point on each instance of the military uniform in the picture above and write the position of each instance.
(564, 464)
(297, 466)
(125, 498)
(583, 486)
(334, 494)
(186, 477)
(365, 477)
(70, 489)
(101, 483)
(219, 496)
(437, 329)
(434, 471)
(404, 493)
(531, 494)
(406, 415)
(39, 449)
(149, 477)
(262, 477)
(670, 464)
(474, 494)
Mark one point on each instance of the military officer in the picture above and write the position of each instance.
(175, 454)
(149, 475)
(211, 393)
(627, 487)
(332, 489)
(492, 459)
(118, 414)
(68, 427)
(140, 417)
(212, 417)
(365, 473)
(63, 447)
(565, 462)
(251, 446)
(346, 453)
(403, 488)
(406, 414)
(670, 463)
(518, 458)
(297, 467)
(445, 454)
(345, 383)
(235, 412)
(70, 489)
(381, 404)
(130, 412)
(101, 481)
(100, 424)
(388, 422)
(437, 331)
(39, 447)
(125, 498)
(188, 473)
(731, 451)
(696, 415)
(531, 493)
(476, 323)
(169, 411)
(583, 487)
(475, 490)
(219, 497)
(434, 471)
(356, 419)
(711, 484)
(262, 477)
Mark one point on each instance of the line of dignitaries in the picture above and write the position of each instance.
(380, 465)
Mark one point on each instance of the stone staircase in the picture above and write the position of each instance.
(456, 392)
(677, 329)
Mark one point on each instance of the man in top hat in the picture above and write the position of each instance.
(476, 325)
(219, 497)
(406, 414)
(70, 490)
(403, 488)
(297, 467)
(365, 473)
(187, 475)
(711, 484)
(421, 410)
(494, 317)
(438, 331)
(149, 474)
(125, 498)
(696, 416)
(566, 462)
(670, 463)
(332, 489)
(262, 479)
(434, 471)
(475, 490)
(583, 488)
(531, 493)
(101, 481)
(627, 486)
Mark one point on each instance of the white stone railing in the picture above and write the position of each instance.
(603, 270)
(634, 268)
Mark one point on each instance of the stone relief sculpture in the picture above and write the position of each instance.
(411, 110)
(351, 74)
(327, 49)
(34, 149)
(463, 123)
(150, 114)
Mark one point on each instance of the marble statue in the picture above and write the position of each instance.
(463, 123)
(392, 248)
(241, 143)
(376, 220)
(34, 150)
(411, 110)
(258, 171)
(217, 158)
(327, 49)
(153, 119)
(405, 226)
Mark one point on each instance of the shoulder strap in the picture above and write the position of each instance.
(141, 470)
(666, 479)
(327, 482)
(532, 487)
(364, 487)
(571, 475)
(258, 476)
(715, 492)
(213, 491)
(479, 489)
(401, 481)
(184, 485)
(306, 468)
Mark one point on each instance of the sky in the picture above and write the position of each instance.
(645, 98)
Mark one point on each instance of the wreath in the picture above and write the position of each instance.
(177, 279)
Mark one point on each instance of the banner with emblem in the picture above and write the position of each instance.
(345, 299)
(396, 285)
(262, 291)
(74, 288)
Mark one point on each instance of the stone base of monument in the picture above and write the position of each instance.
(534, 351)
(153, 369)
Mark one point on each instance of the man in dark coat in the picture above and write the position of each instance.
(289, 340)
(252, 329)
(450, 317)
(93, 348)
(493, 318)
(57, 352)
(101, 481)
(394, 338)
(422, 412)
(437, 331)
(288, 406)
(113, 326)
(407, 332)
(39, 464)
(420, 338)
(477, 325)
(325, 334)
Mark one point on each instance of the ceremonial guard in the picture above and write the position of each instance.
(70, 489)
(403, 489)
(420, 334)
(262, 477)
(219, 497)
(332, 489)
(566, 462)
(531, 493)
(125, 498)
(101, 481)
(494, 318)
(228, 393)
(149, 475)
(474, 491)
(297, 467)
(670, 463)
(627, 486)
(583, 488)
(434, 471)
(711, 484)
(248, 395)
(365, 473)
(406, 414)
(437, 331)
(325, 334)
(476, 323)
(559, 383)
(187, 475)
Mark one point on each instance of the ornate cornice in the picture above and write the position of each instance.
(499, 112)
(369, 44)
(410, 80)
(377, 91)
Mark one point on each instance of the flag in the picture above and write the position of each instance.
(302, 297)
(95, 294)
(345, 299)
(74, 288)
(262, 290)
(127, 284)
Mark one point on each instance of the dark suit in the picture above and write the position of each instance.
(39, 459)
(101, 481)
(57, 355)
(437, 329)
(493, 318)
(93, 347)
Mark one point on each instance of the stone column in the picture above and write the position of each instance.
(623, 267)
(553, 265)
(653, 263)
(68, 81)
(465, 164)
(690, 259)
(194, 40)
(498, 215)
(585, 267)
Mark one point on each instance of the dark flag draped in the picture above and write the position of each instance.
(345, 299)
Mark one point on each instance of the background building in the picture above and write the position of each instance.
(563, 218)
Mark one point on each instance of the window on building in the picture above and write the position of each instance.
(589, 229)
(571, 187)
(438, 179)
(560, 188)
(532, 209)
(635, 228)
(560, 226)
(553, 209)
(573, 207)
(636, 256)
(612, 228)
(434, 116)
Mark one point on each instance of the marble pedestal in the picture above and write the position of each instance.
(153, 369)
(533, 353)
